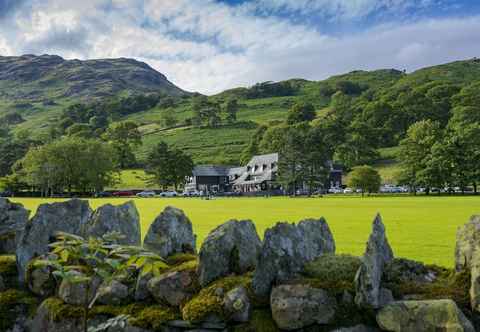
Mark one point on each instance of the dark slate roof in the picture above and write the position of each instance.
(211, 170)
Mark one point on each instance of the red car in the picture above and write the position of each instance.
(123, 193)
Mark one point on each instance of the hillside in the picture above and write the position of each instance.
(41, 87)
(41, 82)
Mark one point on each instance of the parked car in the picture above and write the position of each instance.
(6, 194)
(192, 193)
(146, 194)
(103, 194)
(123, 193)
(335, 191)
(348, 191)
(169, 194)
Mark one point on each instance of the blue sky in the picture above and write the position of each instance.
(212, 45)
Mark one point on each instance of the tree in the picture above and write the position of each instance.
(301, 112)
(68, 164)
(168, 166)
(205, 112)
(416, 151)
(365, 178)
(253, 148)
(168, 118)
(231, 109)
(124, 136)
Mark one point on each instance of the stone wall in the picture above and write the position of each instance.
(292, 280)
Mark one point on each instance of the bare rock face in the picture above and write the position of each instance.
(171, 233)
(298, 306)
(287, 248)
(173, 288)
(13, 218)
(369, 293)
(123, 219)
(415, 316)
(468, 241)
(70, 217)
(231, 248)
(40, 280)
(237, 305)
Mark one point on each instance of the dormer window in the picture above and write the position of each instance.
(264, 167)
(272, 165)
(249, 168)
(256, 169)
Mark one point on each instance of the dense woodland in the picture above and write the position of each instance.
(432, 116)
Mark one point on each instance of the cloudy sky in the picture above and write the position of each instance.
(212, 45)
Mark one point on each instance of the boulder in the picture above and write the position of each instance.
(76, 293)
(123, 219)
(112, 293)
(13, 218)
(405, 270)
(230, 248)
(171, 233)
(468, 241)
(287, 248)
(368, 280)
(416, 316)
(298, 306)
(237, 305)
(119, 324)
(174, 288)
(69, 217)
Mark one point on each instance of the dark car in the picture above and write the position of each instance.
(6, 194)
(123, 194)
(103, 194)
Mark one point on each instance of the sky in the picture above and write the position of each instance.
(212, 45)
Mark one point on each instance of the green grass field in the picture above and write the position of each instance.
(420, 228)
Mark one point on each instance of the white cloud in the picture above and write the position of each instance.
(207, 46)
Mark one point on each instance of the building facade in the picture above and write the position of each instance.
(259, 175)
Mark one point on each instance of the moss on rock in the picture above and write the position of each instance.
(335, 273)
(8, 271)
(178, 259)
(154, 317)
(10, 302)
(210, 299)
(261, 321)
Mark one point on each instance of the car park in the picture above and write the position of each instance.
(125, 193)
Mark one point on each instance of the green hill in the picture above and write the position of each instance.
(40, 87)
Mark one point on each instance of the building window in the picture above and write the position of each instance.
(255, 169)
(249, 168)
(264, 167)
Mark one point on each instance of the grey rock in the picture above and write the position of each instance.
(237, 305)
(405, 270)
(287, 248)
(475, 281)
(298, 306)
(232, 247)
(2, 284)
(171, 233)
(428, 316)
(13, 218)
(123, 219)
(368, 280)
(468, 241)
(141, 287)
(117, 324)
(76, 293)
(112, 293)
(174, 288)
(69, 217)
(357, 328)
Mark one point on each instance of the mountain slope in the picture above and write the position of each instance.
(41, 81)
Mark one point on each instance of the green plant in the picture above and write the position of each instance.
(79, 261)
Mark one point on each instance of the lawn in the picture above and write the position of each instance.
(421, 228)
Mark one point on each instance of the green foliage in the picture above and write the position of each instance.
(123, 137)
(301, 112)
(365, 178)
(168, 166)
(154, 317)
(261, 321)
(67, 164)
